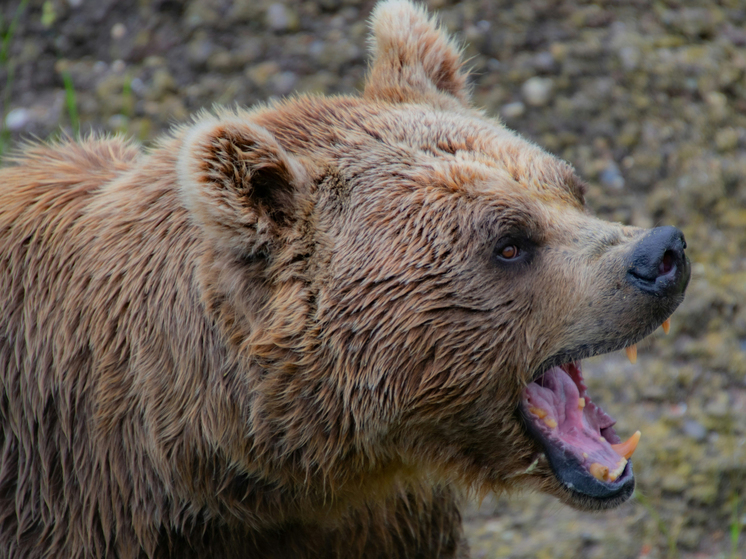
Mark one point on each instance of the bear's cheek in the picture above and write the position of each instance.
(583, 304)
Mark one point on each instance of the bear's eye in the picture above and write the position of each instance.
(509, 252)
(513, 250)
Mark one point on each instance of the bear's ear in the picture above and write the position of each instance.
(240, 185)
(414, 60)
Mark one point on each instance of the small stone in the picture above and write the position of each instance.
(155, 62)
(118, 122)
(513, 110)
(200, 50)
(629, 135)
(611, 177)
(280, 18)
(718, 407)
(694, 429)
(316, 50)
(494, 526)
(494, 65)
(199, 13)
(674, 483)
(62, 65)
(318, 82)
(726, 139)
(137, 86)
(243, 12)
(261, 73)
(559, 51)
(221, 61)
(537, 91)
(17, 119)
(284, 82)
(250, 50)
(163, 82)
(630, 57)
(544, 61)
(118, 31)
(718, 105)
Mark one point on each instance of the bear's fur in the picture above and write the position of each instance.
(284, 332)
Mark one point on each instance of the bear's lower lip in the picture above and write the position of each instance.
(577, 435)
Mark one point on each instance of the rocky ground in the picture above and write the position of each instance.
(647, 98)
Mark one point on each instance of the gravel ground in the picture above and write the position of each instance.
(646, 98)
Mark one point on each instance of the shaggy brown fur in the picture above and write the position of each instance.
(283, 332)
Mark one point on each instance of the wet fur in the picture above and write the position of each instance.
(282, 332)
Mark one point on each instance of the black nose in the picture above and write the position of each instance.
(658, 264)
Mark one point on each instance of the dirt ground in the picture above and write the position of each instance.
(647, 98)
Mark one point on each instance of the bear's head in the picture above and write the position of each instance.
(410, 287)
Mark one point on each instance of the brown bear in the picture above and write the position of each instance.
(304, 329)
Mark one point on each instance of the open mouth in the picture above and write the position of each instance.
(578, 437)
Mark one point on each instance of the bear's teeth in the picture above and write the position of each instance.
(542, 414)
(538, 412)
(627, 448)
(666, 326)
(613, 475)
(632, 353)
(581, 403)
(602, 473)
(599, 471)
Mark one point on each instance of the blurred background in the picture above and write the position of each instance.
(647, 99)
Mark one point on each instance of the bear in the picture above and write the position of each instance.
(308, 328)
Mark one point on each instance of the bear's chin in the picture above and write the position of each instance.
(580, 500)
(589, 463)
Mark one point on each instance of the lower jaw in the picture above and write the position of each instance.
(587, 482)
(582, 485)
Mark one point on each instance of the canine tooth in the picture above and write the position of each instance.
(585, 455)
(627, 448)
(613, 475)
(551, 423)
(666, 326)
(581, 403)
(538, 412)
(599, 471)
(632, 353)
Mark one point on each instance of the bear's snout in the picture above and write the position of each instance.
(658, 265)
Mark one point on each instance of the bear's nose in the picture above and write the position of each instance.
(658, 264)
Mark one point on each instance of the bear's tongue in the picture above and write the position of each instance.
(562, 416)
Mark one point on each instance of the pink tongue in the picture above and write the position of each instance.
(576, 427)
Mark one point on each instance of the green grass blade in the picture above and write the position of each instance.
(735, 526)
(70, 101)
(6, 37)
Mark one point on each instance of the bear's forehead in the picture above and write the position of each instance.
(461, 151)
